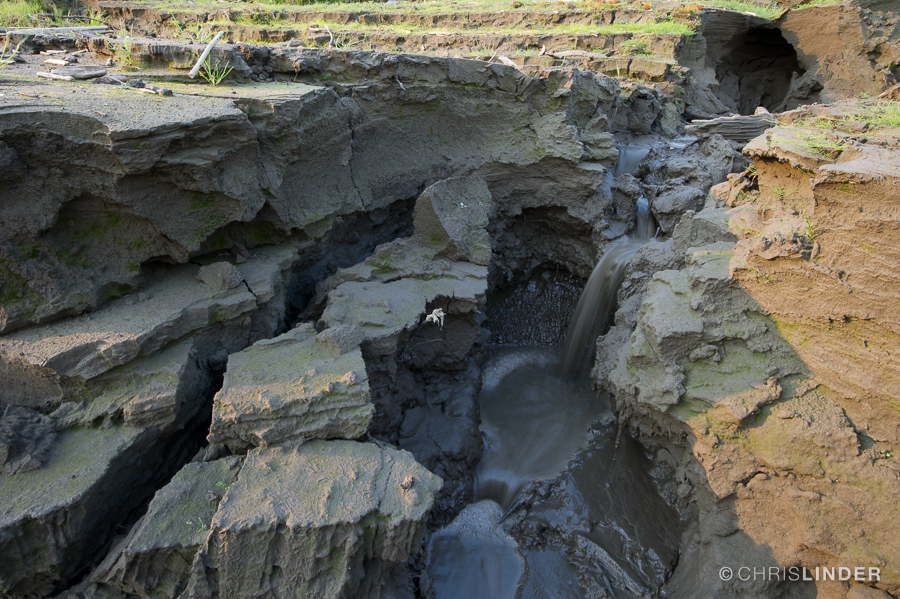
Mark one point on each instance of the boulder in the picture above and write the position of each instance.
(291, 388)
(118, 438)
(673, 201)
(391, 292)
(599, 146)
(26, 440)
(160, 391)
(154, 560)
(736, 128)
(220, 276)
(451, 216)
(327, 518)
(36, 362)
(706, 227)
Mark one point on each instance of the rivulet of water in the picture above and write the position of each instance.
(599, 295)
(629, 159)
(473, 558)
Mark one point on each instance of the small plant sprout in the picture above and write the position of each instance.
(636, 47)
(125, 48)
(756, 271)
(214, 75)
(437, 317)
(745, 230)
(809, 231)
(759, 273)
(783, 194)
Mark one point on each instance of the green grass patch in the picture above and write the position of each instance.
(817, 3)
(882, 114)
(21, 13)
(769, 10)
(664, 27)
(433, 7)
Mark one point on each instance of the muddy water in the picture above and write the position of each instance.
(533, 422)
(629, 159)
(595, 305)
(473, 558)
(561, 507)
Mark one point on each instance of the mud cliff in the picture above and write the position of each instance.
(767, 357)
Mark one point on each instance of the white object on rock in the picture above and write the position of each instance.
(437, 317)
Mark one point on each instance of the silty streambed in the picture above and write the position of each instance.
(559, 508)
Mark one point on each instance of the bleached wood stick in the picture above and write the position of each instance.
(56, 62)
(55, 76)
(53, 30)
(203, 56)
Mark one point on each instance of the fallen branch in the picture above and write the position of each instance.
(330, 35)
(152, 89)
(206, 51)
(891, 94)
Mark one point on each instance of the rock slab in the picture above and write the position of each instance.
(154, 560)
(325, 519)
(292, 388)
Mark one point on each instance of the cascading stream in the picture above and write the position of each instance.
(536, 411)
(599, 295)
(535, 416)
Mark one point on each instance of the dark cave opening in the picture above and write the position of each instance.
(757, 69)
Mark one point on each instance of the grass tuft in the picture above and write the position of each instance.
(214, 75)
(7, 54)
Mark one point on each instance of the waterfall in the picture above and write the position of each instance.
(629, 159)
(599, 296)
(534, 419)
